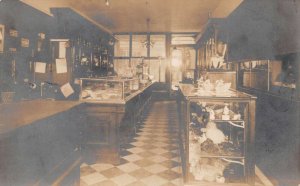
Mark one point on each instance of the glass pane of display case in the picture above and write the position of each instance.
(158, 48)
(283, 78)
(139, 45)
(131, 86)
(260, 74)
(97, 89)
(122, 46)
(107, 89)
(254, 74)
(217, 135)
(220, 128)
(244, 74)
(279, 77)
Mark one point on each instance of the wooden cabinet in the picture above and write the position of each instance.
(219, 135)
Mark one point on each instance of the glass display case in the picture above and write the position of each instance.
(254, 74)
(107, 89)
(283, 78)
(278, 77)
(219, 137)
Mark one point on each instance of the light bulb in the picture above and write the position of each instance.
(107, 2)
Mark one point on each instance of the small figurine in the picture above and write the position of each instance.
(225, 115)
(211, 113)
(213, 133)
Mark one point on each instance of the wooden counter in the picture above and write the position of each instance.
(40, 142)
(43, 142)
(111, 123)
(19, 114)
(15, 115)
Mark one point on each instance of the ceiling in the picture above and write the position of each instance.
(131, 15)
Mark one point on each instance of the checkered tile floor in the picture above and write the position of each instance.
(152, 158)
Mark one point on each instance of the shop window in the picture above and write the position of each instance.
(140, 45)
(183, 39)
(189, 58)
(176, 58)
(158, 48)
(154, 69)
(122, 46)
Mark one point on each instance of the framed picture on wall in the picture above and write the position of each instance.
(13, 33)
(24, 42)
(2, 38)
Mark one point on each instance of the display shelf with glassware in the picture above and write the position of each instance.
(213, 48)
(107, 89)
(219, 137)
(278, 77)
(212, 54)
(92, 59)
(134, 68)
(254, 74)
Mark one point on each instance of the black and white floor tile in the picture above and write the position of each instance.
(152, 158)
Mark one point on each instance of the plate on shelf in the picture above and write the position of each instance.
(254, 63)
(247, 65)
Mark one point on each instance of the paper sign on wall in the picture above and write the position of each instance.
(40, 67)
(62, 50)
(42, 35)
(61, 66)
(67, 90)
(77, 81)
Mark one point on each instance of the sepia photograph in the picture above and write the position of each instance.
(150, 92)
